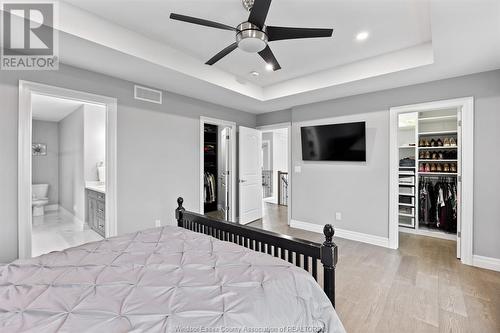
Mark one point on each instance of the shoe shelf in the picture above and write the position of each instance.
(438, 147)
(407, 147)
(439, 173)
(406, 205)
(436, 161)
(437, 133)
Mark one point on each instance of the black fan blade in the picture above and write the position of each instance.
(199, 21)
(222, 54)
(259, 12)
(269, 58)
(280, 33)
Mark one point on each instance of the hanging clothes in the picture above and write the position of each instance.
(210, 188)
(438, 203)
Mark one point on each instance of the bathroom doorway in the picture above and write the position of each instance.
(67, 185)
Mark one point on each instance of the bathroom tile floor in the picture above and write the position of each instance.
(58, 230)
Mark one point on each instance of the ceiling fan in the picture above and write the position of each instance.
(253, 35)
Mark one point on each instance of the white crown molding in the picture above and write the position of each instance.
(342, 233)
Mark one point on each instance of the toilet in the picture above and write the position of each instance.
(39, 198)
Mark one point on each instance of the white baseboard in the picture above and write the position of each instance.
(486, 262)
(347, 234)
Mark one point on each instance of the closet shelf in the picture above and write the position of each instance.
(407, 147)
(406, 215)
(436, 161)
(405, 204)
(437, 133)
(439, 173)
(437, 118)
(438, 148)
(407, 194)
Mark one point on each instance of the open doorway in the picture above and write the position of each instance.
(67, 168)
(275, 175)
(217, 161)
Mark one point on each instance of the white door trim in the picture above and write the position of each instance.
(219, 122)
(26, 89)
(290, 173)
(467, 204)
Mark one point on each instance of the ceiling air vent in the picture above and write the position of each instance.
(147, 94)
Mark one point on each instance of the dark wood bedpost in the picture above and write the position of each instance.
(329, 257)
(179, 212)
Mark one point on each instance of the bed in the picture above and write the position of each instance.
(202, 275)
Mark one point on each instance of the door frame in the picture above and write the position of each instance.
(467, 195)
(26, 89)
(287, 125)
(218, 122)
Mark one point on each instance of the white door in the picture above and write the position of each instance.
(459, 184)
(224, 178)
(250, 177)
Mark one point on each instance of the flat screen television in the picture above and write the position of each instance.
(338, 142)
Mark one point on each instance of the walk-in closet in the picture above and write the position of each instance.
(429, 177)
(217, 166)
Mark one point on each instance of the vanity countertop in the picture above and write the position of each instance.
(97, 187)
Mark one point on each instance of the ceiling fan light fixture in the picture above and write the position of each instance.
(250, 39)
(254, 73)
(269, 67)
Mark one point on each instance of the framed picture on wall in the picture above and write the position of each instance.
(39, 149)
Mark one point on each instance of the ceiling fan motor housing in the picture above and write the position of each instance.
(248, 4)
(250, 38)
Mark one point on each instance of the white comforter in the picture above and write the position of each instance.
(161, 280)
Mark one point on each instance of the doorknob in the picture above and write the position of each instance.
(242, 181)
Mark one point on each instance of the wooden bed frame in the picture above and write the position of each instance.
(303, 253)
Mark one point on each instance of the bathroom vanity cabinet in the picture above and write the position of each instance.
(96, 203)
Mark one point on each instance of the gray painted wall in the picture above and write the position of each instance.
(45, 169)
(71, 157)
(94, 140)
(484, 87)
(358, 190)
(158, 149)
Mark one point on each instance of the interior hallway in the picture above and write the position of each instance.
(58, 230)
(421, 287)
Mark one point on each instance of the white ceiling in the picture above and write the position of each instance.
(50, 108)
(411, 41)
(297, 57)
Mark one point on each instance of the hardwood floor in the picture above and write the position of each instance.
(421, 287)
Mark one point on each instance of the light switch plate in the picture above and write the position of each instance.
(298, 169)
(338, 216)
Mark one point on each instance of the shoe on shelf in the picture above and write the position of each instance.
(421, 167)
(439, 167)
(440, 155)
(453, 167)
(446, 142)
(421, 143)
(453, 142)
(435, 156)
(433, 143)
(427, 155)
(446, 167)
(433, 167)
(427, 143)
(427, 167)
(439, 143)
(421, 155)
